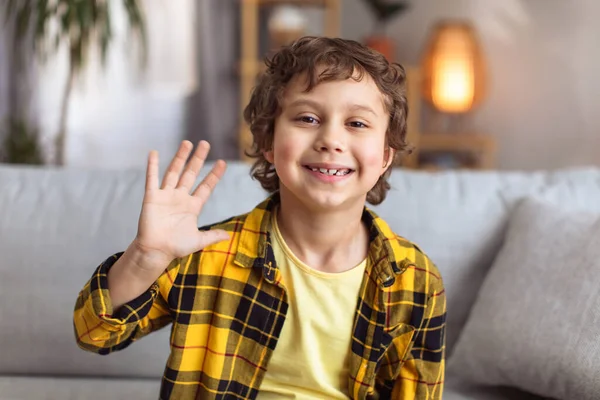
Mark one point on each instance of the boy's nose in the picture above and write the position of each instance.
(330, 139)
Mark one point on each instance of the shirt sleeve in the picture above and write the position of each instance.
(100, 330)
(422, 373)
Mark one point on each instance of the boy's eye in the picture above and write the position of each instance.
(307, 119)
(357, 124)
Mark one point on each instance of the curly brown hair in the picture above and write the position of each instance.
(324, 59)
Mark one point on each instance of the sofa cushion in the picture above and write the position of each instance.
(45, 388)
(536, 322)
(41, 388)
(457, 389)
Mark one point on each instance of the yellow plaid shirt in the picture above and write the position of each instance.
(227, 305)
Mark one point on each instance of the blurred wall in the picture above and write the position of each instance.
(543, 105)
(118, 113)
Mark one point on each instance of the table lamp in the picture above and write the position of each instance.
(453, 81)
(453, 68)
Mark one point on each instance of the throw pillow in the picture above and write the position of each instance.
(536, 322)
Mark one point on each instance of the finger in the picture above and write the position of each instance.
(152, 171)
(174, 170)
(206, 238)
(193, 167)
(208, 184)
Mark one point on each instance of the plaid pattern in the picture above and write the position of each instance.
(227, 307)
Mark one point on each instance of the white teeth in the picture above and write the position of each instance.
(325, 171)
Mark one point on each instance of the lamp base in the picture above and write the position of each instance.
(447, 123)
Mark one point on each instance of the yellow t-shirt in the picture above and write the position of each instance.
(310, 360)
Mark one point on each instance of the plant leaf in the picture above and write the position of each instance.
(22, 20)
(137, 26)
(105, 30)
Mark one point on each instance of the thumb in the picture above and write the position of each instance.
(206, 238)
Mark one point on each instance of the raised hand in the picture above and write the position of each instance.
(168, 224)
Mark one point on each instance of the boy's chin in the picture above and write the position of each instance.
(318, 199)
(332, 202)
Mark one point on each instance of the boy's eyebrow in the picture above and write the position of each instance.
(304, 102)
(361, 107)
(315, 104)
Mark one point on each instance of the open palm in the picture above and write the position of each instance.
(169, 217)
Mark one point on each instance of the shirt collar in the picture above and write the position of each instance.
(254, 246)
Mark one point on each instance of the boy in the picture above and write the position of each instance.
(310, 295)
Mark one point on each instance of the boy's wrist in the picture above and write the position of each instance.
(143, 264)
(134, 273)
(147, 259)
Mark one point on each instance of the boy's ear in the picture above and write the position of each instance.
(388, 155)
(268, 155)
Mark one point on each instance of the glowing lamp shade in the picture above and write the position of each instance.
(453, 68)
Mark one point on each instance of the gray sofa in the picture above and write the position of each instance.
(57, 224)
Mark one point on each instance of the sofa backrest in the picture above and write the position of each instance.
(458, 219)
(56, 225)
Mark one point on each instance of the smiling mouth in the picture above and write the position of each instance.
(331, 171)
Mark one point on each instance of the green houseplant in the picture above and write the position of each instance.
(81, 25)
(21, 143)
(384, 12)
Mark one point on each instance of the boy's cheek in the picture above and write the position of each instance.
(286, 149)
(373, 158)
(286, 153)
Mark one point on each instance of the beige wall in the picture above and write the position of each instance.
(118, 113)
(543, 105)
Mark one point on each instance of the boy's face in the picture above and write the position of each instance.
(329, 145)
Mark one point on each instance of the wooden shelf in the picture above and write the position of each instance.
(251, 64)
(302, 3)
(480, 147)
(251, 67)
(456, 142)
